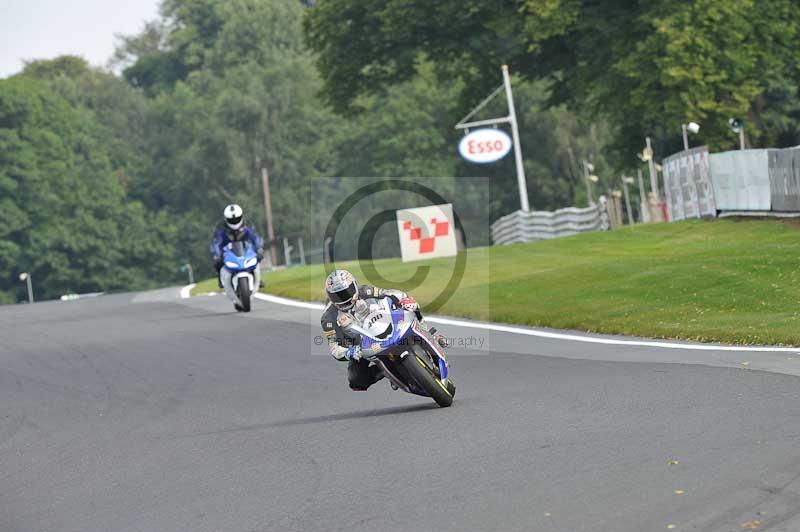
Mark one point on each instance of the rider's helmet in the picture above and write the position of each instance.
(342, 289)
(234, 216)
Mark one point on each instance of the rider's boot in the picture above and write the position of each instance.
(377, 373)
(439, 338)
(361, 375)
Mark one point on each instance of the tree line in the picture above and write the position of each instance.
(110, 179)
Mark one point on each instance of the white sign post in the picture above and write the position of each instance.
(510, 119)
(427, 232)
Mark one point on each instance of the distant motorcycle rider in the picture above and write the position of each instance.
(345, 295)
(233, 229)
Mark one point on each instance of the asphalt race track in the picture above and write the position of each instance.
(150, 413)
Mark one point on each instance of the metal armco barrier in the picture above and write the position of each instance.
(784, 179)
(522, 226)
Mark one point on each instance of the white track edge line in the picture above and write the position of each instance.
(554, 335)
(289, 302)
(186, 291)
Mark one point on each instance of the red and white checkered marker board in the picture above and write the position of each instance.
(426, 232)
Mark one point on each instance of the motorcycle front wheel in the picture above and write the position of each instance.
(421, 372)
(243, 291)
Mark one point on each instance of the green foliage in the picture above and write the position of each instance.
(229, 87)
(65, 216)
(707, 61)
(247, 100)
(362, 47)
(646, 67)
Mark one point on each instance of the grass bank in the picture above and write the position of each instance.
(732, 281)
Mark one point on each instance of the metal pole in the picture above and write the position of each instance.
(741, 137)
(512, 116)
(301, 250)
(653, 177)
(685, 138)
(327, 251)
(268, 209)
(644, 215)
(610, 212)
(191, 273)
(627, 201)
(30, 288)
(287, 252)
(617, 206)
(588, 183)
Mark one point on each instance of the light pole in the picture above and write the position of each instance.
(737, 125)
(616, 195)
(273, 255)
(693, 128)
(589, 178)
(188, 268)
(625, 182)
(644, 211)
(647, 155)
(25, 276)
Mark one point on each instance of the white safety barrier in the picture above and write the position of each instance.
(784, 179)
(741, 180)
(522, 226)
(687, 185)
(763, 182)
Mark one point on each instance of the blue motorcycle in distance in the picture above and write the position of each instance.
(240, 275)
(411, 360)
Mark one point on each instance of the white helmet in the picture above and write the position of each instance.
(342, 289)
(233, 216)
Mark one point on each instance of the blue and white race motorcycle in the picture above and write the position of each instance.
(240, 275)
(393, 339)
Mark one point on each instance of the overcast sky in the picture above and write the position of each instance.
(43, 29)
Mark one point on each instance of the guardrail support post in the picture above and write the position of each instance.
(287, 252)
(301, 250)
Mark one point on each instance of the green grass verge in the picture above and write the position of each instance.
(205, 287)
(734, 281)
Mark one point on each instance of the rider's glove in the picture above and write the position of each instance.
(260, 253)
(409, 303)
(353, 353)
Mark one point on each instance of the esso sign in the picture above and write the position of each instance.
(485, 145)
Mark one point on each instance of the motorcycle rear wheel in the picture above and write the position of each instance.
(419, 370)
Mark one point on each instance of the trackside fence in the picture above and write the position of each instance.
(762, 181)
(522, 226)
(688, 185)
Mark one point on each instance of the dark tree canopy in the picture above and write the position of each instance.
(645, 66)
(65, 217)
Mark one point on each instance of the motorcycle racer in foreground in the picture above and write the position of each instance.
(344, 295)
